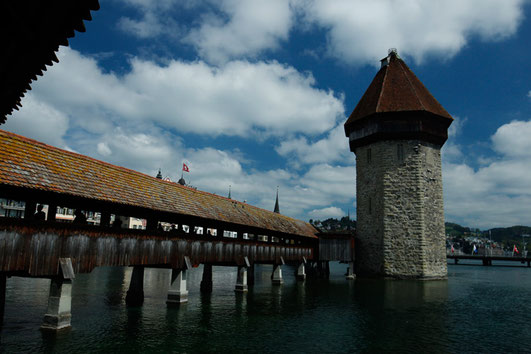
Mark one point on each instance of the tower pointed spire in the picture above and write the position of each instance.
(397, 106)
(229, 191)
(277, 208)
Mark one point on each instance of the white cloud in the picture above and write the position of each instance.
(362, 31)
(497, 193)
(325, 213)
(357, 31)
(247, 28)
(40, 121)
(322, 186)
(451, 150)
(513, 139)
(334, 147)
(240, 99)
(144, 149)
(154, 19)
(103, 149)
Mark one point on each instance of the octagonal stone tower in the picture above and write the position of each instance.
(397, 131)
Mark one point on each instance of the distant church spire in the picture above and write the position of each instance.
(229, 191)
(159, 175)
(277, 208)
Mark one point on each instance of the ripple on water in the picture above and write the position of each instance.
(477, 309)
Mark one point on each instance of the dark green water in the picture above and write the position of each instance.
(478, 309)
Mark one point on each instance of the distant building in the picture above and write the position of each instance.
(11, 208)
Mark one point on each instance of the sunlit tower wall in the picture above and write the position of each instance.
(397, 131)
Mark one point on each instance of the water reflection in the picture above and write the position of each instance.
(206, 311)
(114, 286)
(411, 315)
(134, 325)
(318, 315)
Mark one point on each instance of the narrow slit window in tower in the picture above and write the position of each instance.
(400, 152)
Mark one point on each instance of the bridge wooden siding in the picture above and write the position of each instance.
(336, 246)
(34, 249)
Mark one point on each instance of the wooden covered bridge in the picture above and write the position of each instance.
(206, 228)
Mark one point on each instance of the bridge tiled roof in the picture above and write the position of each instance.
(29, 164)
(395, 88)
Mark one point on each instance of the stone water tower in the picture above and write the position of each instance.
(397, 131)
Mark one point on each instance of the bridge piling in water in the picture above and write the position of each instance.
(301, 272)
(241, 281)
(276, 277)
(250, 276)
(58, 315)
(177, 294)
(135, 294)
(350, 271)
(206, 281)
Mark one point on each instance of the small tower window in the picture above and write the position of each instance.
(369, 156)
(400, 152)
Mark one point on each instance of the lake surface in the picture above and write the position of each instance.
(478, 309)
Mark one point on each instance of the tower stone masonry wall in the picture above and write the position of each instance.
(400, 210)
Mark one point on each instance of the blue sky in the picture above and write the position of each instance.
(254, 94)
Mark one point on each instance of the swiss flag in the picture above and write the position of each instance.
(185, 168)
(515, 249)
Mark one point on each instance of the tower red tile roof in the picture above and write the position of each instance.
(395, 88)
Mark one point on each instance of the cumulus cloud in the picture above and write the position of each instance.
(452, 151)
(245, 28)
(298, 193)
(362, 31)
(325, 213)
(333, 147)
(240, 99)
(357, 31)
(154, 20)
(513, 139)
(498, 193)
(39, 120)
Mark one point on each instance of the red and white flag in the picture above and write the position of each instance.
(452, 249)
(185, 168)
(515, 249)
